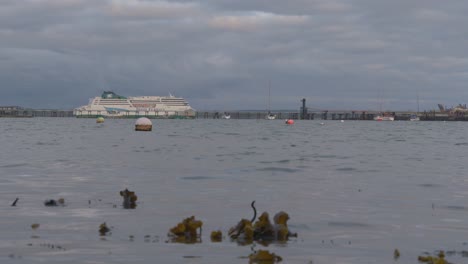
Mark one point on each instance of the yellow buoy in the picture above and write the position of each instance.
(143, 124)
(100, 119)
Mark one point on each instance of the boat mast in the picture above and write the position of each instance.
(417, 100)
(269, 95)
(380, 95)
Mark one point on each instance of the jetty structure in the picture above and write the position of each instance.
(316, 114)
(112, 105)
(15, 111)
(431, 115)
(369, 115)
(458, 113)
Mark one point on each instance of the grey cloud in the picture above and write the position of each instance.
(222, 54)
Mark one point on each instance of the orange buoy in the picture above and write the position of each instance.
(289, 121)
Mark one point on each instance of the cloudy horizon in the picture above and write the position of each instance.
(225, 54)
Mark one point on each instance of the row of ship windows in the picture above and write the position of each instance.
(110, 103)
(137, 102)
(172, 104)
(136, 112)
(160, 100)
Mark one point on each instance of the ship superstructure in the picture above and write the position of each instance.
(110, 104)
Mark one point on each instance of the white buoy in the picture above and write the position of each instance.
(342, 121)
(100, 119)
(143, 124)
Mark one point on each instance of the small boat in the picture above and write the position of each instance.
(226, 116)
(414, 118)
(270, 116)
(384, 117)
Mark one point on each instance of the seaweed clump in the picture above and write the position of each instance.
(216, 236)
(396, 254)
(281, 228)
(243, 232)
(262, 230)
(264, 257)
(103, 229)
(186, 231)
(129, 199)
(278, 231)
(439, 259)
(53, 202)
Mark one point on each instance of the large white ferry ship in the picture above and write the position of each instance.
(110, 104)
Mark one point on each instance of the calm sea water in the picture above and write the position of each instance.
(355, 191)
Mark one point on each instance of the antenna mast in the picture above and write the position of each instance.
(417, 99)
(269, 95)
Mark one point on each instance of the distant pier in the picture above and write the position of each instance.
(20, 112)
(333, 115)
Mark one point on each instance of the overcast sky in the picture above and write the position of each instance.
(222, 54)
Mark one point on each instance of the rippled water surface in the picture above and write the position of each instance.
(355, 191)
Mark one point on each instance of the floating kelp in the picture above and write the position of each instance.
(53, 202)
(264, 257)
(35, 226)
(243, 232)
(439, 259)
(279, 231)
(396, 254)
(186, 231)
(281, 226)
(129, 199)
(103, 229)
(216, 236)
(262, 230)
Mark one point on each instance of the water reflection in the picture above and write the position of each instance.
(315, 173)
